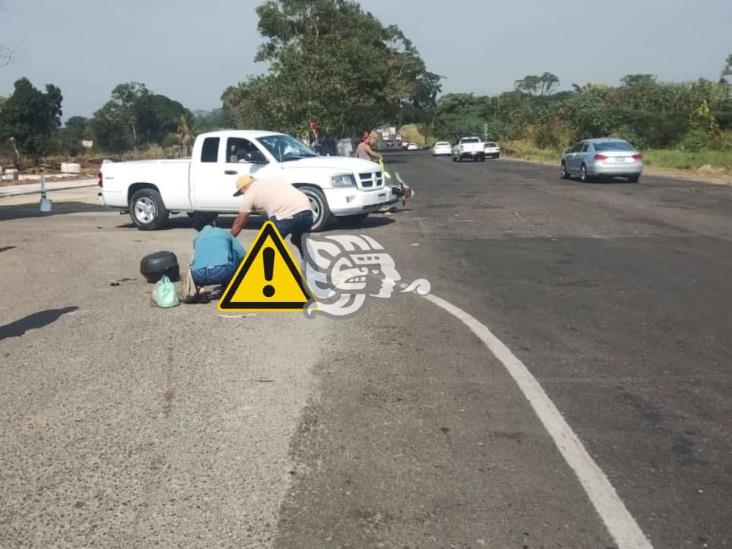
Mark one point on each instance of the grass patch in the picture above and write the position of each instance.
(527, 151)
(687, 160)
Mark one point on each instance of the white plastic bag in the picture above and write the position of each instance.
(164, 294)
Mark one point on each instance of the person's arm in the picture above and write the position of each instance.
(239, 223)
(238, 250)
(372, 153)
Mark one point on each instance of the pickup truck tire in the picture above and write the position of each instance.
(147, 210)
(318, 203)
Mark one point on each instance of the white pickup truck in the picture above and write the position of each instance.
(151, 190)
(468, 147)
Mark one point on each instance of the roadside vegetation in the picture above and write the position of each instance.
(332, 61)
(676, 125)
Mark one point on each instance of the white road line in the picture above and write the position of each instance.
(620, 524)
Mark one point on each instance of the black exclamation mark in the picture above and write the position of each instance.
(268, 257)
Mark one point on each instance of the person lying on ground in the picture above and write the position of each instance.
(286, 206)
(216, 255)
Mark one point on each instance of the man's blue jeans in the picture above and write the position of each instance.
(297, 226)
(211, 276)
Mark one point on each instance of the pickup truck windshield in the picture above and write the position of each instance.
(286, 147)
(469, 140)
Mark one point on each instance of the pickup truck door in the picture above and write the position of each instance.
(214, 175)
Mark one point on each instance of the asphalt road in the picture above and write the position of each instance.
(126, 425)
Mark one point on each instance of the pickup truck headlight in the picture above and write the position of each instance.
(343, 180)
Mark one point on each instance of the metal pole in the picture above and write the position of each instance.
(45, 203)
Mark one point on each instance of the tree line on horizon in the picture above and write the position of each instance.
(332, 61)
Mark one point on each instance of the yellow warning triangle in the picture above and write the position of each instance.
(267, 280)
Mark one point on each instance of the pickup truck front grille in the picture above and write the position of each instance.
(371, 179)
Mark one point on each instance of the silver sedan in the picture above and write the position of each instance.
(605, 157)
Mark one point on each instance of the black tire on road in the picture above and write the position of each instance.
(319, 205)
(563, 173)
(634, 178)
(481, 157)
(147, 210)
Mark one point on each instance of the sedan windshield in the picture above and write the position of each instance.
(286, 147)
(613, 146)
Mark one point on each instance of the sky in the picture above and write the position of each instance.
(191, 50)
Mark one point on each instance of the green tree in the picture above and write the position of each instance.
(29, 117)
(529, 84)
(330, 60)
(72, 134)
(134, 117)
(638, 79)
(533, 84)
(458, 115)
(206, 121)
(727, 69)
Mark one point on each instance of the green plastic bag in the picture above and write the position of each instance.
(164, 294)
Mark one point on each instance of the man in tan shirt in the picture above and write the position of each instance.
(286, 206)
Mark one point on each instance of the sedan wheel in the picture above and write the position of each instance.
(584, 177)
(563, 173)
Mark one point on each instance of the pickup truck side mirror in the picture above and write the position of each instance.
(255, 157)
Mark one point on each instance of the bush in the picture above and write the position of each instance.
(695, 140)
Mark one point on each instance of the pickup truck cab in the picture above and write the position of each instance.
(468, 147)
(150, 190)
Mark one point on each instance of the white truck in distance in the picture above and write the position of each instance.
(150, 190)
(468, 147)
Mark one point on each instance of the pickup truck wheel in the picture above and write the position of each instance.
(319, 205)
(147, 210)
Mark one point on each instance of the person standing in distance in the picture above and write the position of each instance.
(286, 206)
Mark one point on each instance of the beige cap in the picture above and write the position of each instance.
(242, 183)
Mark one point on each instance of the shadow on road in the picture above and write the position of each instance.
(6, 248)
(256, 222)
(20, 211)
(33, 321)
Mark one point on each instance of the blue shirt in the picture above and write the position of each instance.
(213, 247)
